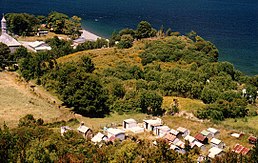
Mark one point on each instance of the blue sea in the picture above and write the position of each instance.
(232, 25)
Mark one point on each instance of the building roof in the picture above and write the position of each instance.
(189, 138)
(83, 129)
(236, 135)
(3, 19)
(174, 132)
(153, 122)
(8, 40)
(163, 128)
(98, 137)
(174, 147)
(181, 129)
(200, 137)
(36, 44)
(199, 144)
(214, 151)
(212, 130)
(215, 141)
(79, 40)
(136, 129)
(169, 137)
(205, 132)
(252, 138)
(114, 131)
(240, 149)
(180, 144)
(130, 120)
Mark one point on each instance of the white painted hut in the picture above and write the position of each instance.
(129, 123)
(136, 130)
(161, 130)
(217, 143)
(39, 46)
(183, 131)
(215, 152)
(189, 138)
(214, 132)
(85, 131)
(174, 132)
(200, 145)
(151, 124)
(99, 137)
(117, 133)
(206, 133)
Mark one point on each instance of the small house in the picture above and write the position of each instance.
(169, 137)
(151, 124)
(85, 131)
(99, 137)
(183, 131)
(136, 129)
(237, 135)
(240, 149)
(161, 130)
(129, 123)
(64, 129)
(39, 46)
(214, 132)
(217, 143)
(252, 139)
(190, 139)
(200, 145)
(180, 144)
(117, 133)
(201, 138)
(174, 132)
(206, 133)
(215, 152)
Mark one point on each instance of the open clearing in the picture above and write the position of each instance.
(17, 99)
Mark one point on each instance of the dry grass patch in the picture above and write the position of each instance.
(186, 104)
(41, 38)
(17, 100)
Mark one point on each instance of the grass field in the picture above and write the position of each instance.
(17, 100)
(41, 38)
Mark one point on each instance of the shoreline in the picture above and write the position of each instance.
(89, 35)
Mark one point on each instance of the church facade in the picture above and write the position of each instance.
(5, 38)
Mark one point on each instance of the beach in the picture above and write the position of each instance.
(89, 35)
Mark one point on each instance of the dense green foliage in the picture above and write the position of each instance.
(4, 53)
(27, 24)
(192, 70)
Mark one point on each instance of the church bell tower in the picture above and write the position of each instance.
(3, 25)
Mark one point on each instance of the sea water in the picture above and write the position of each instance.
(232, 25)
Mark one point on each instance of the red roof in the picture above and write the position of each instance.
(200, 137)
(240, 149)
(252, 138)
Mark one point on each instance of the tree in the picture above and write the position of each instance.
(4, 52)
(125, 42)
(151, 102)
(144, 30)
(22, 23)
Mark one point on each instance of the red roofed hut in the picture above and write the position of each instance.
(201, 138)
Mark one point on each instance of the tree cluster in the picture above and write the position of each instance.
(24, 24)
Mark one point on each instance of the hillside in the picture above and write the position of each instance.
(17, 100)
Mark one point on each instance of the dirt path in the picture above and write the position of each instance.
(18, 98)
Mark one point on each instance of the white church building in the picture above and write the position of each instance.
(6, 38)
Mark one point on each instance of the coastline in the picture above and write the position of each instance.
(89, 35)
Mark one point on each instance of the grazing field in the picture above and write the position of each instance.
(17, 99)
